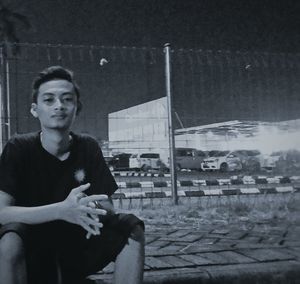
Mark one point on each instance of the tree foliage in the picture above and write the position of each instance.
(10, 22)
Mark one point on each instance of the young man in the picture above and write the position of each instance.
(56, 215)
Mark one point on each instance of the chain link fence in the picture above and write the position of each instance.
(234, 112)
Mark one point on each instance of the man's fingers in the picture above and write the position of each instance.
(88, 228)
(95, 197)
(81, 188)
(93, 211)
(92, 204)
(89, 221)
(96, 218)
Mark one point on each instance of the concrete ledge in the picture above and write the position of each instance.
(281, 272)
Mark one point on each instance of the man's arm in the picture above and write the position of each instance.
(74, 209)
(28, 215)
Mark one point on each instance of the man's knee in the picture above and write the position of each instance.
(137, 234)
(11, 247)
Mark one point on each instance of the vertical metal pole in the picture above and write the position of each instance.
(170, 124)
(8, 120)
(3, 112)
(1, 103)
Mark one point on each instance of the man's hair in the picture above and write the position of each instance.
(55, 73)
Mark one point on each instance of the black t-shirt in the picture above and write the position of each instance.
(34, 177)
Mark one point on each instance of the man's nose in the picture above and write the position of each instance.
(59, 104)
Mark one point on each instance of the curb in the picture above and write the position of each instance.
(275, 273)
(281, 272)
(205, 192)
(234, 180)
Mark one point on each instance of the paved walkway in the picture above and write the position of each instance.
(220, 254)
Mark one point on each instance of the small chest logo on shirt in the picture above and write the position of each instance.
(79, 175)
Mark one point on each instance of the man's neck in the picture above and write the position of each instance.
(56, 142)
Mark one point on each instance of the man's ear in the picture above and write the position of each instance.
(33, 110)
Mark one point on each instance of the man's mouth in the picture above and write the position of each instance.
(60, 116)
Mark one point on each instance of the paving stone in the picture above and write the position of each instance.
(149, 250)
(227, 242)
(294, 251)
(146, 267)
(272, 240)
(258, 234)
(235, 257)
(195, 248)
(196, 259)
(184, 244)
(160, 252)
(179, 233)
(191, 238)
(292, 235)
(241, 245)
(175, 261)
(208, 241)
(159, 243)
(170, 239)
(214, 257)
(236, 235)
(252, 239)
(155, 263)
(149, 239)
(292, 243)
(277, 231)
(187, 238)
(171, 249)
(267, 254)
(220, 231)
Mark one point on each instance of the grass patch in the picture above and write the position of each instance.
(271, 209)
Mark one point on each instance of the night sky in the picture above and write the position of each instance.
(206, 24)
(208, 86)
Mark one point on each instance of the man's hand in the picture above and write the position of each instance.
(76, 209)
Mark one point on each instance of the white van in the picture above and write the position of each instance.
(145, 161)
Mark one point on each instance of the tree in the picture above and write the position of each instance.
(10, 21)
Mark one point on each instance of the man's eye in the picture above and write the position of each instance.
(48, 100)
(69, 99)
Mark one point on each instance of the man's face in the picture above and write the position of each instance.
(56, 105)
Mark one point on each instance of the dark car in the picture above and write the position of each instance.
(119, 162)
(189, 158)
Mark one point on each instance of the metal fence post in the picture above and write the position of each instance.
(3, 99)
(7, 83)
(170, 124)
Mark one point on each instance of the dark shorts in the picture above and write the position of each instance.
(66, 244)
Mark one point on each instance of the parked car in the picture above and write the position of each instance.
(251, 159)
(119, 162)
(270, 161)
(145, 161)
(189, 158)
(222, 161)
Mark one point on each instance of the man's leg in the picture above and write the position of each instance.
(12, 259)
(129, 265)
